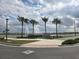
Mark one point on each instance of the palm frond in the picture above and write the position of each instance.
(33, 21)
(21, 19)
(26, 20)
(56, 21)
(45, 19)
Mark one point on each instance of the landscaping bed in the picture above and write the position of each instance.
(71, 41)
(16, 42)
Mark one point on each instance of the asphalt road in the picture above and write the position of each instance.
(39, 53)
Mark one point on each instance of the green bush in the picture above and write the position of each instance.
(69, 42)
(47, 37)
(2, 38)
(76, 40)
(34, 36)
(57, 37)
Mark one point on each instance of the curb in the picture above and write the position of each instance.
(59, 46)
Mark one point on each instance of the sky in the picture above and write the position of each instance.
(66, 10)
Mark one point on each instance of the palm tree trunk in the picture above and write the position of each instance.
(22, 29)
(74, 30)
(33, 29)
(56, 31)
(45, 29)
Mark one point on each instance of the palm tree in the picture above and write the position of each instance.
(33, 22)
(26, 20)
(45, 19)
(21, 19)
(56, 21)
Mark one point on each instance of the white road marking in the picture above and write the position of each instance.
(28, 52)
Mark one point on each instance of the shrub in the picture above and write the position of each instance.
(76, 40)
(68, 42)
(2, 38)
(45, 36)
(34, 36)
(31, 36)
(21, 37)
(57, 37)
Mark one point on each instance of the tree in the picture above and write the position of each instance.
(56, 21)
(21, 19)
(33, 22)
(26, 20)
(45, 19)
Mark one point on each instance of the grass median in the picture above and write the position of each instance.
(16, 42)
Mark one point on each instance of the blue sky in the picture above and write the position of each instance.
(66, 10)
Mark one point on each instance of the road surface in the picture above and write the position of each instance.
(38, 53)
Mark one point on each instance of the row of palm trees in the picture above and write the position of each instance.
(23, 20)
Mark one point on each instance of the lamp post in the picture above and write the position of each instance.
(6, 29)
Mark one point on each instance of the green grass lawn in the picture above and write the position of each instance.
(16, 42)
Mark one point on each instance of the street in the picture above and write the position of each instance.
(38, 53)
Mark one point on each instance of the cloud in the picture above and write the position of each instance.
(37, 8)
(67, 21)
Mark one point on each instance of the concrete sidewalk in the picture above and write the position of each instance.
(44, 44)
